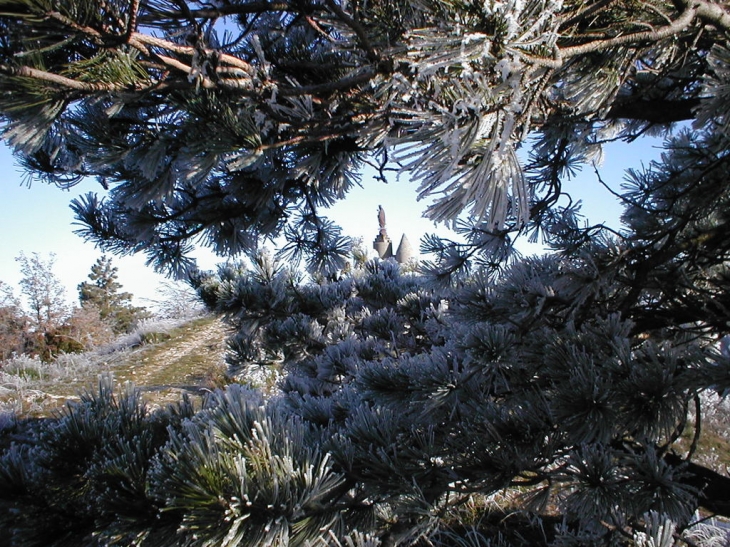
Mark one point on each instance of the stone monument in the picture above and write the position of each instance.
(405, 253)
(382, 244)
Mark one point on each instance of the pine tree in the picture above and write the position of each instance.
(400, 403)
(427, 396)
(574, 379)
(102, 292)
(228, 125)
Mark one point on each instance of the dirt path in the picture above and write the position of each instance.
(191, 361)
(187, 359)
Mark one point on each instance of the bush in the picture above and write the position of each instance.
(107, 471)
(237, 469)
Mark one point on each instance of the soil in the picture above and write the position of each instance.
(191, 360)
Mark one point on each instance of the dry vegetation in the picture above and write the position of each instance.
(164, 359)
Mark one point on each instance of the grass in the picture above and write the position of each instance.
(165, 369)
(162, 358)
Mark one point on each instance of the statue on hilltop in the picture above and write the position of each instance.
(384, 246)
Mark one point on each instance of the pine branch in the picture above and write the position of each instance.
(560, 55)
(225, 10)
(714, 488)
(356, 27)
(587, 12)
(684, 20)
(68, 83)
(144, 40)
(655, 111)
(711, 11)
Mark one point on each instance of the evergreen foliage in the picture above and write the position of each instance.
(569, 380)
(399, 404)
(534, 382)
(102, 293)
(226, 125)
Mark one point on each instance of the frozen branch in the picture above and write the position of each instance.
(712, 12)
(356, 27)
(681, 23)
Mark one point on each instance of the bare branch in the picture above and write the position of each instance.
(69, 83)
(146, 39)
(132, 23)
(91, 32)
(709, 11)
(348, 82)
(655, 111)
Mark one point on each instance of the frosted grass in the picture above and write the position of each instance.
(24, 380)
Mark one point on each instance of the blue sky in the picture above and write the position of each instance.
(38, 219)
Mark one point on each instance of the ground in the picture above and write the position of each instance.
(192, 360)
(163, 364)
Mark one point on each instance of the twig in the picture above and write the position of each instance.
(681, 23)
(188, 50)
(615, 194)
(698, 428)
(132, 23)
(710, 11)
(590, 10)
(36, 74)
(373, 55)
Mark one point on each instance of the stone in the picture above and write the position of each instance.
(405, 252)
